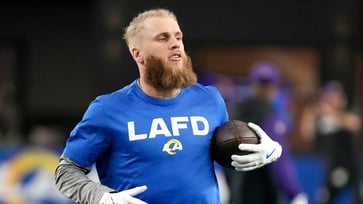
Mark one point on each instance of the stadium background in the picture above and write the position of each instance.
(57, 56)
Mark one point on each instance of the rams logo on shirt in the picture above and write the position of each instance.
(172, 146)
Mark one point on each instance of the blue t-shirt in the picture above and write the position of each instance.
(135, 139)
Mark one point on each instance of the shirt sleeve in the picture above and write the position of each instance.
(90, 136)
(72, 181)
(220, 104)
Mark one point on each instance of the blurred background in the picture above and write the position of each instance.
(55, 57)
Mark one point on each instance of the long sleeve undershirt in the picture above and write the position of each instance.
(72, 181)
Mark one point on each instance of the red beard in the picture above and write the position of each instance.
(168, 78)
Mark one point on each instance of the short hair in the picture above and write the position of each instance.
(136, 25)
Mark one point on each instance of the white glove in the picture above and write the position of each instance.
(300, 198)
(261, 154)
(123, 197)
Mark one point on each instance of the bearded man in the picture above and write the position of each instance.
(150, 140)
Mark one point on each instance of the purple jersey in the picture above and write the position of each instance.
(283, 170)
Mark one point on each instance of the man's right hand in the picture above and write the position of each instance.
(124, 197)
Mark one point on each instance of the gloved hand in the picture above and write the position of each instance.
(261, 154)
(300, 198)
(123, 197)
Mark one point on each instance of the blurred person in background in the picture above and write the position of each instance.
(335, 129)
(265, 107)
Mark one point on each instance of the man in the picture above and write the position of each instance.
(273, 116)
(150, 140)
(336, 129)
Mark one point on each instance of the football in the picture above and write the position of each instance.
(226, 139)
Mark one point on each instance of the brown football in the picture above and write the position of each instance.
(226, 139)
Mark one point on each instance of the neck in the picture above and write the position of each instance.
(155, 92)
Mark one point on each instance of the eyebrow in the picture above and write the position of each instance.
(178, 33)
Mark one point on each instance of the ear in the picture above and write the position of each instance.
(137, 55)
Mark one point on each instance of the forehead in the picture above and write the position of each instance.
(157, 25)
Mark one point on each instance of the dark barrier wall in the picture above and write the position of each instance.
(72, 51)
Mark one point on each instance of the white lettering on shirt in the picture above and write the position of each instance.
(197, 124)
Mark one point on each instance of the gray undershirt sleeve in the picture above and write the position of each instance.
(72, 181)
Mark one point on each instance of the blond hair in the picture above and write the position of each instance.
(135, 27)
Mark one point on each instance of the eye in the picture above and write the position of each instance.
(179, 37)
(163, 38)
